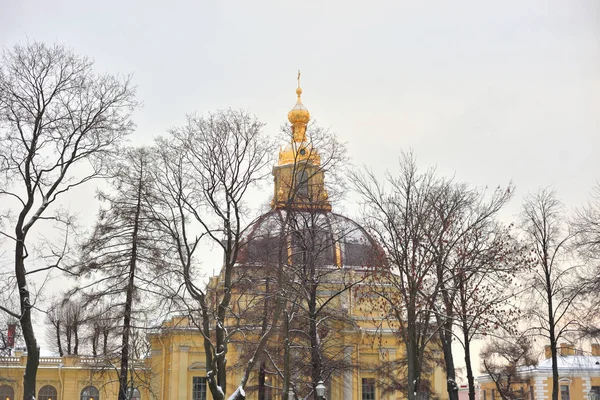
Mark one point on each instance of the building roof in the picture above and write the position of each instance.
(568, 363)
(332, 239)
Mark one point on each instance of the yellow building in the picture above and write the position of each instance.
(317, 249)
(70, 378)
(579, 377)
(360, 355)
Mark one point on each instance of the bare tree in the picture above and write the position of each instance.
(207, 168)
(55, 115)
(306, 238)
(487, 267)
(67, 321)
(443, 247)
(311, 344)
(400, 217)
(318, 286)
(477, 260)
(309, 235)
(543, 221)
(586, 228)
(460, 214)
(102, 327)
(122, 262)
(504, 360)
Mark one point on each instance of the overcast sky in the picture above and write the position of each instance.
(488, 91)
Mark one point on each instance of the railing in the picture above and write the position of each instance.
(91, 360)
(17, 360)
(50, 360)
(88, 361)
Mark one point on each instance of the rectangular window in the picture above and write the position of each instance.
(268, 395)
(198, 388)
(493, 394)
(564, 392)
(595, 390)
(368, 389)
(531, 396)
(484, 394)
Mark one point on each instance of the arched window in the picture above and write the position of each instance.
(90, 393)
(302, 183)
(47, 392)
(7, 393)
(133, 394)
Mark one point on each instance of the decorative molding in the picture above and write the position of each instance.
(197, 366)
(586, 384)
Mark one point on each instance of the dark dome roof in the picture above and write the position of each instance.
(324, 238)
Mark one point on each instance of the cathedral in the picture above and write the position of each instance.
(330, 329)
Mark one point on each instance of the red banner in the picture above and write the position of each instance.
(12, 329)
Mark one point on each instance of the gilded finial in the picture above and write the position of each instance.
(299, 89)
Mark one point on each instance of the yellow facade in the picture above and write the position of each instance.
(71, 377)
(579, 377)
(360, 338)
(178, 350)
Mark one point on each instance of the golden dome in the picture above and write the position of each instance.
(299, 116)
(295, 157)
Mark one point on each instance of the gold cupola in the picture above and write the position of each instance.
(299, 116)
(299, 178)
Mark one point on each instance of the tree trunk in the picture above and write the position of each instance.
(211, 361)
(446, 324)
(68, 337)
(470, 377)
(33, 351)
(315, 353)
(58, 341)
(262, 372)
(286, 358)
(553, 339)
(76, 336)
(313, 334)
(124, 372)
(412, 354)
(105, 342)
(261, 382)
(123, 375)
(95, 337)
(315, 348)
(446, 339)
(413, 376)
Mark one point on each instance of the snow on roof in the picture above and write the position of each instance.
(573, 362)
(568, 363)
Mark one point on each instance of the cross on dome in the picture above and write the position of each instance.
(299, 116)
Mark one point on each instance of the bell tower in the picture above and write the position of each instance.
(299, 177)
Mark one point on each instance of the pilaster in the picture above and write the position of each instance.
(184, 352)
(347, 378)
